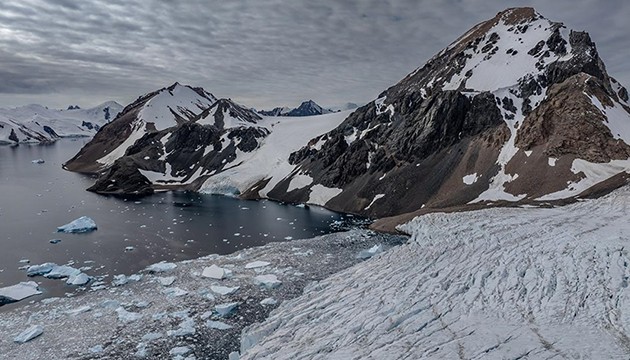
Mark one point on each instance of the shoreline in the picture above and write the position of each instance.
(111, 323)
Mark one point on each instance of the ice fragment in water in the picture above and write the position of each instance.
(223, 290)
(225, 309)
(256, 264)
(161, 267)
(166, 280)
(269, 281)
(214, 272)
(219, 325)
(366, 254)
(18, 292)
(80, 225)
(29, 334)
(42, 269)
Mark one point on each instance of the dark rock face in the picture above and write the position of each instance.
(415, 145)
(123, 178)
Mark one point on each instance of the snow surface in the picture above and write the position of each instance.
(182, 100)
(271, 159)
(501, 283)
(618, 119)
(321, 194)
(470, 179)
(376, 198)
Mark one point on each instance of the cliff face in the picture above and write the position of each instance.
(518, 109)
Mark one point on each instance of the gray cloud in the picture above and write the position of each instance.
(259, 52)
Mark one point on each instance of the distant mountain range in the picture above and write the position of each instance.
(36, 123)
(307, 108)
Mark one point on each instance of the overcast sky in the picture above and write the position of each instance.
(261, 53)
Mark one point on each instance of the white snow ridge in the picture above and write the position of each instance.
(512, 283)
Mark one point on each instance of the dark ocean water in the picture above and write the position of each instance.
(36, 198)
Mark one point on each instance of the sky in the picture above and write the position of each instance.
(260, 53)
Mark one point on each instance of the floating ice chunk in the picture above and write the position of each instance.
(226, 308)
(180, 350)
(62, 271)
(269, 281)
(129, 248)
(29, 334)
(37, 270)
(141, 350)
(54, 241)
(186, 328)
(79, 310)
(152, 336)
(120, 280)
(110, 304)
(366, 254)
(80, 225)
(24, 261)
(256, 264)
(166, 280)
(38, 161)
(96, 349)
(174, 292)
(223, 290)
(268, 301)
(214, 272)
(219, 325)
(18, 292)
(134, 277)
(161, 267)
(78, 279)
(127, 316)
(234, 355)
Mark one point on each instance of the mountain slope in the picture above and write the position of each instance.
(154, 111)
(518, 109)
(36, 123)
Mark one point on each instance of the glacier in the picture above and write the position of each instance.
(494, 284)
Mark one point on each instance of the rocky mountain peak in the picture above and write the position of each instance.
(518, 108)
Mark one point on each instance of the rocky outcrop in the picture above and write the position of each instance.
(306, 108)
(517, 110)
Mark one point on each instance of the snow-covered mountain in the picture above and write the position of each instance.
(517, 110)
(36, 123)
(306, 108)
(179, 137)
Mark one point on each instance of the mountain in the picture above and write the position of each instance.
(178, 137)
(151, 112)
(306, 108)
(518, 110)
(278, 111)
(36, 123)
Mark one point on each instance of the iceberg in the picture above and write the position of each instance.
(223, 290)
(269, 281)
(18, 292)
(37, 270)
(219, 325)
(120, 280)
(366, 254)
(38, 161)
(161, 267)
(29, 334)
(214, 272)
(78, 279)
(127, 316)
(256, 264)
(268, 301)
(166, 280)
(226, 308)
(62, 271)
(80, 225)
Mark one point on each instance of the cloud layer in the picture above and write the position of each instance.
(262, 53)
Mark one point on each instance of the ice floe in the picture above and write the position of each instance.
(80, 225)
